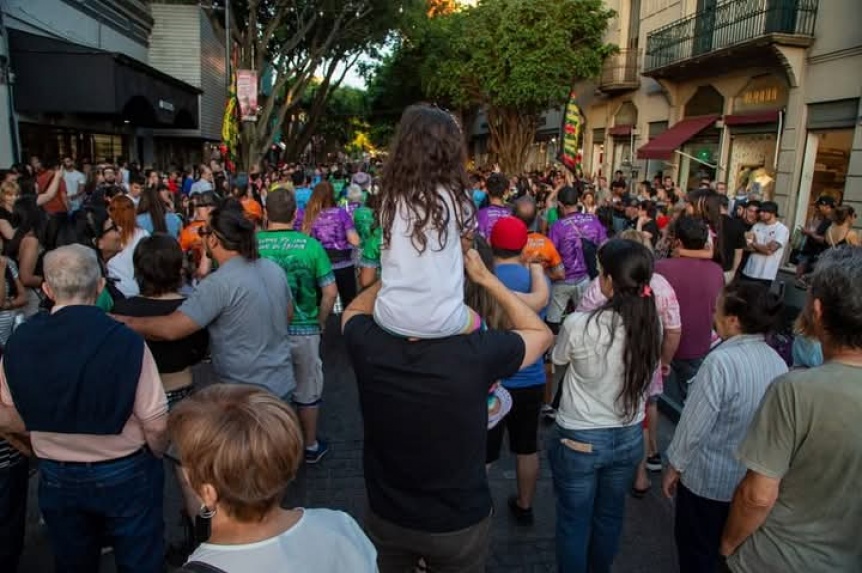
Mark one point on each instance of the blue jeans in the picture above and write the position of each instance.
(592, 475)
(118, 501)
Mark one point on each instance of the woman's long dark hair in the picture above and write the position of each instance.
(711, 212)
(427, 155)
(323, 197)
(30, 218)
(151, 203)
(630, 268)
(234, 231)
(477, 297)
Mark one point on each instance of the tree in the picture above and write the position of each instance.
(517, 59)
(301, 40)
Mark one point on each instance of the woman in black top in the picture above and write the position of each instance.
(158, 262)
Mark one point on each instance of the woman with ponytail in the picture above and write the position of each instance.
(611, 354)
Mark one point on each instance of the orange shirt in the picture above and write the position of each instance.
(540, 248)
(58, 203)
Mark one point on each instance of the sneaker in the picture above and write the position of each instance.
(653, 462)
(314, 456)
(522, 516)
(548, 412)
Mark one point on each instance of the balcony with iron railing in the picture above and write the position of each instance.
(621, 72)
(728, 34)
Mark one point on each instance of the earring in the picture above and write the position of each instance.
(206, 513)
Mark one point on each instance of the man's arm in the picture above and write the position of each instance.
(669, 345)
(362, 304)
(173, 326)
(328, 294)
(737, 260)
(754, 498)
(526, 323)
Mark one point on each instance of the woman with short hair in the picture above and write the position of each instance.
(703, 468)
(240, 447)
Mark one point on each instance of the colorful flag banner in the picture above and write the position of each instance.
(570, 135)
(246, 89)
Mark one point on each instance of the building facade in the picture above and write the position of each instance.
(82, 82)
(184, 44)
(763, 95)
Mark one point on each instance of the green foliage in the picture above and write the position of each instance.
(343, 117)
(522, 54)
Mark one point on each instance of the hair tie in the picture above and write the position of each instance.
(646, 291)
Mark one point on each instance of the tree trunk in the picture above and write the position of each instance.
(512, 132)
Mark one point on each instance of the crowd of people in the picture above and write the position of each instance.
(472, 305)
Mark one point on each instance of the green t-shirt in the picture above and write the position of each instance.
(104, 301)
(370, 257)
(805, 434)
(363, 220)
(308, 269)
(552, 215)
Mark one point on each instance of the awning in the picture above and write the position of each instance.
(755, 118)
(54, 76)
(621, 131)
(663, 146)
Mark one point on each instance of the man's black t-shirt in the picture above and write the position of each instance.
(812, 248)
(425, 412)
(733, 233)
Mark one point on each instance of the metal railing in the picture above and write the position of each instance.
(621, 70)
(730, 23)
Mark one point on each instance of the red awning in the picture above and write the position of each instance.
(755, 118)
(620, 131)
(663, 146)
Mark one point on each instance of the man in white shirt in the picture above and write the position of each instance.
(766, 241)
(136, 187)
(75, 183)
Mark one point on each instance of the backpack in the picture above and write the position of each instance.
(590, 252)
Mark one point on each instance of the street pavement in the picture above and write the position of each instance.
(337, 482)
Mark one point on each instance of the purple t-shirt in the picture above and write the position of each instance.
(697, 284)
(487, 217)
(331, 228)
(566, 235)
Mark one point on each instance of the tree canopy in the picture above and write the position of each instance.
(514, 58)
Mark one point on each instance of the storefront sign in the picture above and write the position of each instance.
(246, 92)
(763, 93)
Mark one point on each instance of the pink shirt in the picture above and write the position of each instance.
(150, 407)
(666, 304)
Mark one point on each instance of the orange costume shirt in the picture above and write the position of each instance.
(58, 203)
(540, 248)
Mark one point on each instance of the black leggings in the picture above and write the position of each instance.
(345, 280)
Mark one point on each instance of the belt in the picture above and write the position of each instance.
(139, 452)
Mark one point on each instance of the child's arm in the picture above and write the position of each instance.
(537, 298)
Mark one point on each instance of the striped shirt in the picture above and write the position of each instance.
(9, 456)
(724, 396)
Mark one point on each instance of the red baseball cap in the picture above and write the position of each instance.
(509, 233)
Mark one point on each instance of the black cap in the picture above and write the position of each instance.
(826, 200)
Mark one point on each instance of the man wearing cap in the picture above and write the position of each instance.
(527, 387)
(766, 241)
(815, 243)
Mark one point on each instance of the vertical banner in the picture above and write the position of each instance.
(230, 127)
(246, 91)
(570, 135)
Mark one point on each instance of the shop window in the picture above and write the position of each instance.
(751, 165)
(827, 159)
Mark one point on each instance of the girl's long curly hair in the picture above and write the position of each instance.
(427, 155)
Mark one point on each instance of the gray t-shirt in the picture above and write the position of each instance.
(244, 307)
(805, 434)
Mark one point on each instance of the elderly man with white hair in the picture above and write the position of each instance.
(87, 390)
